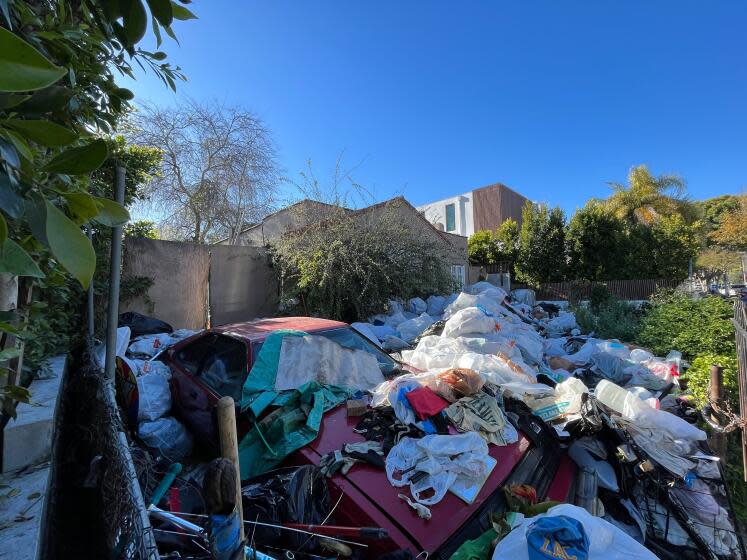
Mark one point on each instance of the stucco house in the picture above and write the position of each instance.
(296, 216)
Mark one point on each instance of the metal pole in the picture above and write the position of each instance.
(89, 232)
(718, 440)
(115, 265)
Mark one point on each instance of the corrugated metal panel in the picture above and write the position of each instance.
(494, 204)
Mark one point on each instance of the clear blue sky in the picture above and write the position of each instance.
(552, 98)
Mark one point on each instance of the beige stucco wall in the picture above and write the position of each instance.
(242, 284)
(179, 294)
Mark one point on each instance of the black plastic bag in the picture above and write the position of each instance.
(297, 495)
(142, 324)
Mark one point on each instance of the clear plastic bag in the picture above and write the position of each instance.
(456, 383)
(409, 330)
(167, 436)
(417, 305)
(154, 397)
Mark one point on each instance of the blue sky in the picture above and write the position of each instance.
(552, 98)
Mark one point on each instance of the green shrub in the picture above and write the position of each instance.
(699, 376)
(694, 327)
(608, 317)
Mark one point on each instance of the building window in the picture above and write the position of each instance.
(457, 272)
(450, 217)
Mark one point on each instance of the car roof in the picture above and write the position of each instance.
(257, 331)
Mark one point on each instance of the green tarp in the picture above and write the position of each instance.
(291, 426)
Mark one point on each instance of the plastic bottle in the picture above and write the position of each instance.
(620, 400)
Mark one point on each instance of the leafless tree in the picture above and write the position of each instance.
(218, 172)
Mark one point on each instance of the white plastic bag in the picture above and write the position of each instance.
(123, 340)
(154, 397)
(442, 457)
(168, 436)
(564, 322)
(606, 542)
(409, 330)
(151, 344)
(467, 321)
(144, 367)
(464, 300)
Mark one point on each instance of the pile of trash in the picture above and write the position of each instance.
(477, 364)
(616, 408)
(147, 397)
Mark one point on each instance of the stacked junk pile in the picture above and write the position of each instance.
(483, 376)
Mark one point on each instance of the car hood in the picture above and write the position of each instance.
(447, 516)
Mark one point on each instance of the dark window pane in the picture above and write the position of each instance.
(191, 356)
(225, 367)
(450, 217)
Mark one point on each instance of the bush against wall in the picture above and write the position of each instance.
(693, 326)
(346, 264)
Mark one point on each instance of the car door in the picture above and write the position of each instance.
(206, 369)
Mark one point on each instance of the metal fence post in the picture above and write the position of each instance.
(115, 266)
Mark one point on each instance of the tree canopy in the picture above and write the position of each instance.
(218, 171)
(646, 198)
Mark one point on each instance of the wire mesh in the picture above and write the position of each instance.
(98, 510)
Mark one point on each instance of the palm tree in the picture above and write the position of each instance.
(646, 197)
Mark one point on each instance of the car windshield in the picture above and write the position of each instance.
(348, 338)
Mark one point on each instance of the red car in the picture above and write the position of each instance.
(369, 500)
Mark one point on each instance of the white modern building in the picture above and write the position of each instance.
(479, 209)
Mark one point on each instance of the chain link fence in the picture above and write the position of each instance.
(96, 508)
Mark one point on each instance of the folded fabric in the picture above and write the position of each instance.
(425, 402)
(482, 414)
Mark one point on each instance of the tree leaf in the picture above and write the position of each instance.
(161, 10)
(10, 100)
(20, 144)
(171, 34)
(10, 201)
(79, 160)
(112, 9)
(82, 206)
(8, 153)
(43, 132)
(14, 260)
(69, 245)
(181, 13)
(156, 32)
(124, 93)
(9, 354)
(47, 100)
(22, 67)
(135, 21)
(36, 217)
(159, 55)
(110, 213)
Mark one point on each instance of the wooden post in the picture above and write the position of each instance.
(229, 446)
(718, 441)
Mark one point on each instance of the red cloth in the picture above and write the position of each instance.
(425, 402)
